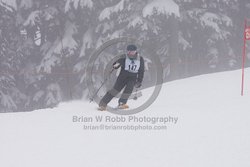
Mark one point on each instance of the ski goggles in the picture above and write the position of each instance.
(132, 52)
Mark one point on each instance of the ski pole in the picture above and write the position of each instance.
(105, 80)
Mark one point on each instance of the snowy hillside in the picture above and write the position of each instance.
(45, 45)
(206, 125)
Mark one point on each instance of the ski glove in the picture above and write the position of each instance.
(137, 85)
(116, 65)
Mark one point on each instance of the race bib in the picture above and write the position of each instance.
(132, 65)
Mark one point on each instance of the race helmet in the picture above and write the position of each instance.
(132, 51)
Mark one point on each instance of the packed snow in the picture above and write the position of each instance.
(206, 124)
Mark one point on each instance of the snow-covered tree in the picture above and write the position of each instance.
(45, 44)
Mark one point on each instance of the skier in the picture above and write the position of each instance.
(131, 75)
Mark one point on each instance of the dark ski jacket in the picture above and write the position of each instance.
(138, 76)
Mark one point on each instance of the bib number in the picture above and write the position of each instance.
(132, 67)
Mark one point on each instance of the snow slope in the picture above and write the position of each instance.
(212, 130)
